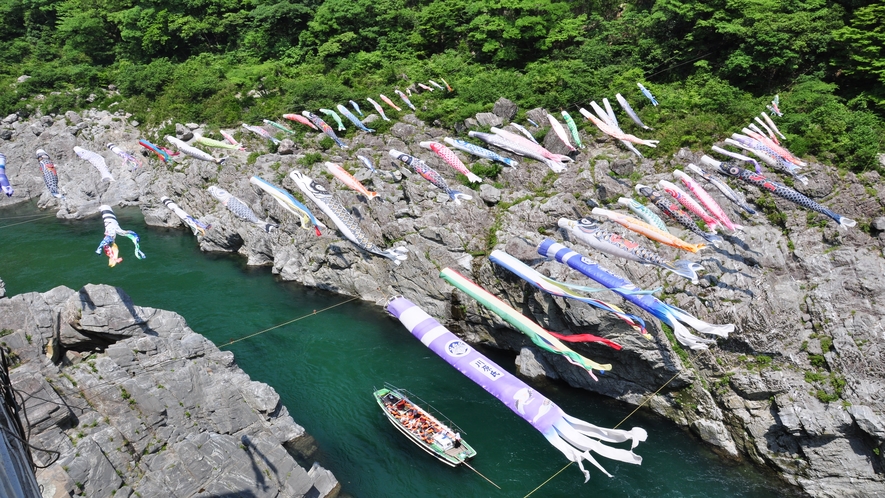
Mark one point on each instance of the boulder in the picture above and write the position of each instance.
(489, 119)
(505, 109)
(183, 132)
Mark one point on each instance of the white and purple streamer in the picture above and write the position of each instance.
(575, 438)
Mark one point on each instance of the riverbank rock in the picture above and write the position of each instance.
(140, 405)
(784, 389)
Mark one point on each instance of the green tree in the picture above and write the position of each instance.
(863, 40)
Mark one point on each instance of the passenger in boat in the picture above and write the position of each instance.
(456, 437)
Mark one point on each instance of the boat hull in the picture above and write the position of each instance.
(451, 456)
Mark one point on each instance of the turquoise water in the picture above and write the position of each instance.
(326, 365)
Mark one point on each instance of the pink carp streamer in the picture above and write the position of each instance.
(451, 159)
(689, 203)
(706, 199)
(390, 102)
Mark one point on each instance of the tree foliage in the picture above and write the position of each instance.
(712, 64)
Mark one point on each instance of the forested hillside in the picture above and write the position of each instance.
(712, 65)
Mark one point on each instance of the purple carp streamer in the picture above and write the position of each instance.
(128, 158)
(781, 191)
(575, 438)
(111, 230)
(524, 131)
(767, 154)
(670, 315)
(50, 176)
(4, 180)
(96, 160)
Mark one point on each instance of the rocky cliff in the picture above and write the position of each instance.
(119, 399)
(797, 387)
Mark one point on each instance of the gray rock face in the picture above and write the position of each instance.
(489, 119)
(539, 116)
(505, 109)
(154, 409)
(184, 132)
(623, 167)
(796, 388)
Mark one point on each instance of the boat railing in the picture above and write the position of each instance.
(430, 409)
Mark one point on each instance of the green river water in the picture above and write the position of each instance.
(325, 367)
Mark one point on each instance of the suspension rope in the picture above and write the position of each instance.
(28, 221)
(649, 397)
(315, 312)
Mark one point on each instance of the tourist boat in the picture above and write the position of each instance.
(422, 428)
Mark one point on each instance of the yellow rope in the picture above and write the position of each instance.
(315, 312)
(646, 400)
(35, 215)
(28, 221)
(615, 427)
(548, 480)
